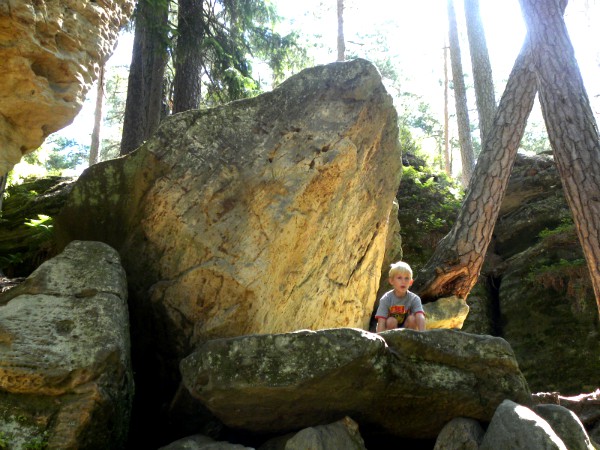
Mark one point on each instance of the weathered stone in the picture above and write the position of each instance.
(200, 442)
(566, 425)
(460, 434)
(50, 58)
(264, 215)
(284, 382)
(341, 434)
(448, 312)
(517, 427)
(65, 370)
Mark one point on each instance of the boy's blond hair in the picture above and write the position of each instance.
(400, 267)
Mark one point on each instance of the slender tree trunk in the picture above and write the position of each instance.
(460, 96)
(341, 43)
(188, 57)
(570, 123)
(95, 145)
(146, 73)
(482, 69)
(3, 179)
(454, 267)
(447, 159)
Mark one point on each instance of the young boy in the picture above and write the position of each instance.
(400, 308)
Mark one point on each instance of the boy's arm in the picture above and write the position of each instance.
(380, 325)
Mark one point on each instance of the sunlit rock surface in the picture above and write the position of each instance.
(264, 215)
(51, 52)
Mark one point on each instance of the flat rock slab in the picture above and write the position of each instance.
(402, 382)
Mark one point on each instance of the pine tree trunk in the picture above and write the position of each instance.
(570, 123)
(188, 57)
(454, 267)
(460, 96)
(482, 69)
(146, 73)
(341, 43)
(95, 144)
(447, 159)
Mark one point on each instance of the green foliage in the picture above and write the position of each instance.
(43, 223)
(429, 202)
(566, 225)
(55, 157)
(27, 234)
(38, 443)
(4, 441)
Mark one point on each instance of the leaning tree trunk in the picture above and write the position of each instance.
(460, 96)
(482, 69)
(454, 267)
(570, 123)
(188, 56)
(148, 63)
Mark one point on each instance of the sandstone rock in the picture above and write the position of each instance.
(460, 434)
(65, 371)
(516, 427)
(448, 312)
(264, 215)
(566, 425)
(278, 383)
(51, 52)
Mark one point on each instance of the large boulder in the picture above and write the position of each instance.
(51, 52)
(401, 382)
(65, 375)
(264, 215)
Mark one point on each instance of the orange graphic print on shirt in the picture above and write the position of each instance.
(399, 312)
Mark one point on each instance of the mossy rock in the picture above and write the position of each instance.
(549, 316)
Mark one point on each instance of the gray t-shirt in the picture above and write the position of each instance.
(398, 307)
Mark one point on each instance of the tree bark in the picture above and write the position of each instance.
(482, 69)
(146, 73)
(187, 87)
(570, 123)
(95, 144)
(341, 43)
(460, 96)
(454, 267)
(447, 159)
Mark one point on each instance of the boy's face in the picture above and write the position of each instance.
(401, 282)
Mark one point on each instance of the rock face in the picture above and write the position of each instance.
(538, 286)
(401, 382)
(65, 372)
(51, 52)
(265, 215)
